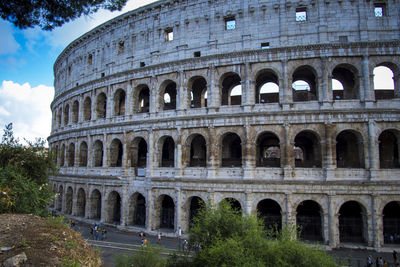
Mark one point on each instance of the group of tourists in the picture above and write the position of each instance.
(143, 239)
(380, 262)
(98, 232)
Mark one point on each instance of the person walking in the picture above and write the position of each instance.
(395, 257)
(159, 238)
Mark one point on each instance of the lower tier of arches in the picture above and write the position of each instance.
(332, 214)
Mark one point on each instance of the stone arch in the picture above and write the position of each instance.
(62, 156)
(101, 106)
(168, 95)
(234, 203)
(164, 211)
(228, 82)
(198, 92)
(83, 154)
(192, 207)
(389, 146)
(116, 153)
(68, 200)
(353, 224)
(71, 155)
(139, 152)
(197, 148)
(81, 203)
(98, 153)
(391, 86)
(304, 84)
(267, 87)
(59, 117)
(271, 213)
(142, 94)
(167, 153)
(307, 150)
(75, 111)
(87, 109)
(347, 75)
(349, 149)
(66, 114)
(391, 223)
(231, 155)
(309, 218)
(114, 208)
(119, 102)
(137, 210)
(95, 205)
(268, 150)
(60, 196)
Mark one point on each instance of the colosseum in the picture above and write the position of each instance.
(286, 108)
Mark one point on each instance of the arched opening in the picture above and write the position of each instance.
(60, 198)
(389, 149)
(337, 89)
(231, 150)
(62, 156)
(304, 84)
(268, 151)
(198, 93)
(352, 223)
(75, 111)
(119, 103)
(346, 75)
(349, 150)
(95, 205)
(116, 153)
(231, 93)
(267, 88)
(309, 220)
(169, 96)
(310, 155)
(68, 201)
(195, 204)
(137, 208)
(384, 82)
(114, 208)
(59, 117)
(168, 152)
(101, 106)
(391, 223)
(139, 153)
(270, 212)
(81, 203)
(234, 203)
(198, 151)
(144, 100)
(83, 154)
(71, 155)
(98, 154)
(167, 214)
(66, 115)
(87, 109)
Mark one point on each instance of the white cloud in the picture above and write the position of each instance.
(28, 108)
(8, 44)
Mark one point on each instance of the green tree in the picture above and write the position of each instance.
(52, 13)
(24, 171)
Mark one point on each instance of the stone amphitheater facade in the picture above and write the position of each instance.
(182, 102)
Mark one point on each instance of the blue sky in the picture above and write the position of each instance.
(26, 70)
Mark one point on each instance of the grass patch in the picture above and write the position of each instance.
(56, 222)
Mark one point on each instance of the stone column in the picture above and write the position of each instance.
(214, 149)
(290, 213)
(213, 94)
(74, 201)
(249, 155)
(104, 206)
(88, 202)
(76, 153)
(373, 151)
(180, 93)
(129, 108)
(248, 203)
(288, 153)
(326, 85)
(178, 155)
(333, 222)
(153, 95)
(124, 205)
(178, 210)
(90, 148)
(330, 157)
(368, 92)
(151, 160)
(149, 209)
(247, 90)
(377, 223)
(287, 96)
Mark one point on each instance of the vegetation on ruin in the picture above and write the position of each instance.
(51, 14)
(24, 171)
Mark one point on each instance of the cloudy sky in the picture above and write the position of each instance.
(26, 70)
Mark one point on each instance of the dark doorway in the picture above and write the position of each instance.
(270, 211)
(309, 220)
(167, 213)
(352, 223)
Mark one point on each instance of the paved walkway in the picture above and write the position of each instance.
(121, 242)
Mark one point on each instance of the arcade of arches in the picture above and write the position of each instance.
(350, 218)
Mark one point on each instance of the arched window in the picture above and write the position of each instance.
(101, 106)
(353, 226)
(62, 156)
(391, 223)
(384, 83)
(167, 213)
(75, 112)
(137, 210)
(234, 203)
(87, 109)
(267, 87)
(195, 204)
(71, 155)
(310, 154)
(309, 220)
(139, 153)
(231, 150)
(270, 212)
(198, 152)
(169, 96)
(349, 150)
(198, 93)
(119, 103)
(98, 153)
(168, 152)
(68, 201)
(304, 84)
(83, 154)
(66, 114)
(268, 151)
(144, 100)
(346, 82)
(114, 208)
(231, 92)
(81, 203)
(95, 205)
(389, 149)
(116, 153)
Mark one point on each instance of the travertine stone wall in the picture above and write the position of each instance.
(333, 145)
